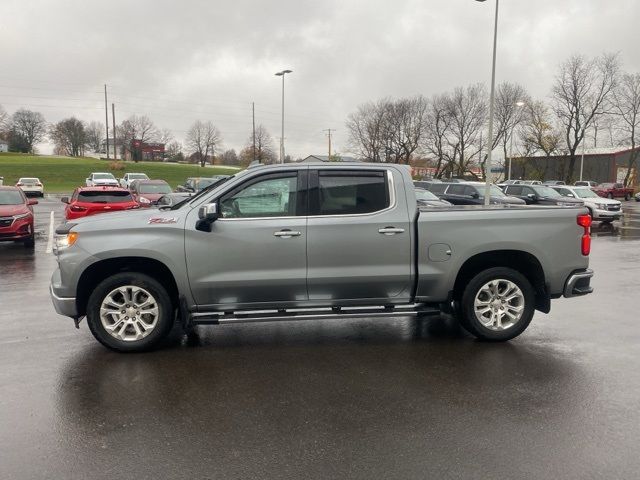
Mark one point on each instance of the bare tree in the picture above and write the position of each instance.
(4, 120)
(202, 139)
(165, 136)
(626, 102)
(264, 147)
(436, 129)
(580, 93)
(27, 128)
(94, 132)
(366, 131)
(510, 102)
(230, 157)
(69, 136)
(467, 112)
(538, 133)
(138, 128)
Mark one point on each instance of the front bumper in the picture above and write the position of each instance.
(578, 283)
(607, 214)
(64, 305)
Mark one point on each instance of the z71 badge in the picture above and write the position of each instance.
(162, 220)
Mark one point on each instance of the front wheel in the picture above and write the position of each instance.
(627, 196)
(130, 312)
(497, 304)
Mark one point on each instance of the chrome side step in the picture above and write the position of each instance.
(253, 316)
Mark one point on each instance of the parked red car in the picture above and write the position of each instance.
(16, 216)
(87, 201)
(148, 192)
(613, 190)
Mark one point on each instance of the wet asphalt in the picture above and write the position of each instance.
(365, 399)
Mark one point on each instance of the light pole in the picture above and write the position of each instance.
(487, 174)
(519, 105)
(282, 74)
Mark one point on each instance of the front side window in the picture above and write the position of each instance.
(456, 189)
(514, 190)
(350, 193)
(270, 197)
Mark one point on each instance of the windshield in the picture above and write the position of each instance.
(10, 197)
(217, 183)
(154, 188)
(104, 197)
(104, 176)
(139, 176)
(29, 181)
(547, 192)
(495, 191)
(586, 193)
(425, 195)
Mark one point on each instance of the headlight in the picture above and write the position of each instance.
(23, 215)
(65, 240)
(144, 200)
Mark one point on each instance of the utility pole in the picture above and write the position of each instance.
(115, 142)
(106, 118)
(253, 117)
(329, 130)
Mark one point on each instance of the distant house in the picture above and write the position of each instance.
(325, 158)
(112, 147)
(139, 150)
(4, 146)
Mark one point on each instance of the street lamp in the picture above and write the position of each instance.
(487, 188)
(519, 105)
(282, 74)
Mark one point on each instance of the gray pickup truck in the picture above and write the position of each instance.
(316, 241)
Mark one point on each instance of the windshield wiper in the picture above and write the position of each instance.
(201, 192)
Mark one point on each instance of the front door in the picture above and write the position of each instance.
(359, 237)
(256, 251)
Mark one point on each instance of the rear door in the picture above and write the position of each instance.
(256, 252)
(358, 236)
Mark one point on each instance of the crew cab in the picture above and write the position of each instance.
(613, 190)
(87, 201)
(316, 241)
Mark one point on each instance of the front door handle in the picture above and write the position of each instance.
(390, 230)
(286, 233)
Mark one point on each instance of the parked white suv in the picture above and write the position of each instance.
(125, 182)
(102, 180)
(603, 209)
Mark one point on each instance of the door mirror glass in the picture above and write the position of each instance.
(64, 199)
(531, 196)
(209, 212)
(32, 201)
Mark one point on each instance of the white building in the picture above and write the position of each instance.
(4, 146)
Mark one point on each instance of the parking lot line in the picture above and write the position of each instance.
(50, 240)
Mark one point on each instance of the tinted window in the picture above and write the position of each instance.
(455, 190)
(514, 190)
(271, 197)
(469, 191)
(104, 197)
(437, 187)
(153, 188)
(104, 176)
(565, 192)
(347, 193)
(528, 191)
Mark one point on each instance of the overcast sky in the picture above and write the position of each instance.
(178, 61)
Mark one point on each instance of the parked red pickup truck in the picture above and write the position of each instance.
(613, 190)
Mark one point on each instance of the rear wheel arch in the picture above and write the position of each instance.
(523, 262)
(99, 271)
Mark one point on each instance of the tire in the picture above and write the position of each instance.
(129, 333)
(29, 242)
(610, 196)
(479, 287)
(627, 197)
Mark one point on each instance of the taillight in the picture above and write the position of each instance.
(585, 242)
(76, 208)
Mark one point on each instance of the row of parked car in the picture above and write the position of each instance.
(441, 194)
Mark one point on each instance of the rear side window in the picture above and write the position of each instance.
(104, 197)
(456, 190)
(563, 191)
(349, 193)
(437, 187)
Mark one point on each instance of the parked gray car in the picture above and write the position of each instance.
(316, 241)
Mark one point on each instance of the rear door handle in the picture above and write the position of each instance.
(390, 230)
(286, 233)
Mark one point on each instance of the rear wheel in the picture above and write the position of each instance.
(29, 242)
(497, 304)
(627, 196)
(130, 312)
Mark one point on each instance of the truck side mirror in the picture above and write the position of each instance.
(475, 195)
(207, 214)
(64, 199)
(532, 196)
